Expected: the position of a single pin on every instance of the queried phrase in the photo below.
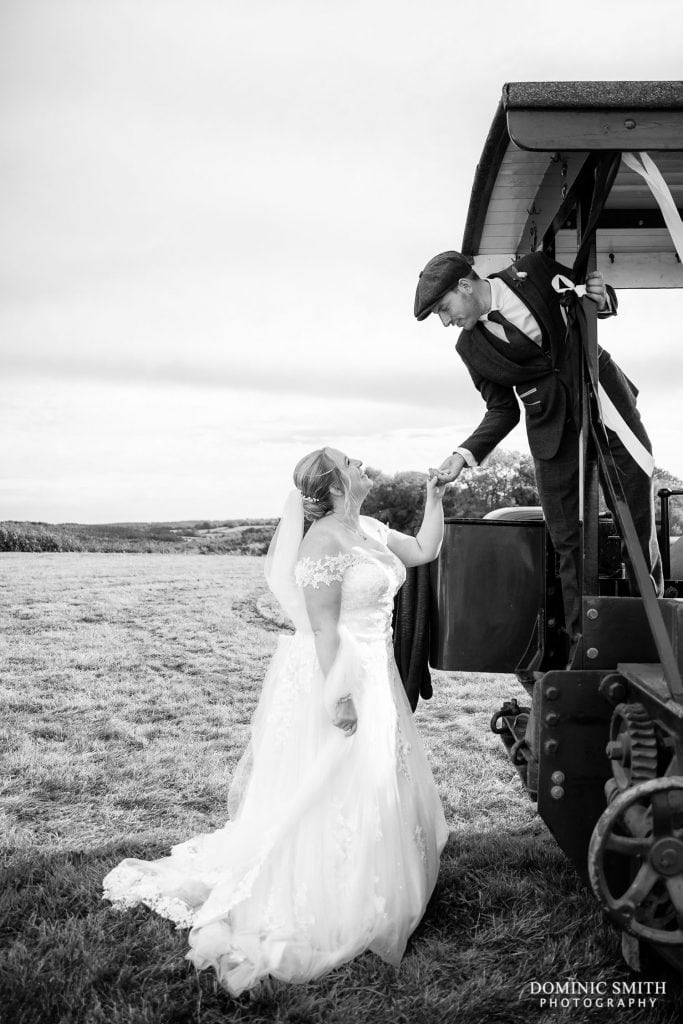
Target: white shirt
(513, 309)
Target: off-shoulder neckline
(356, 553)
(374, 541)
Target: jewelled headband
(325, 472)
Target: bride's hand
(345, 717)
(435, 485)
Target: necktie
(512, 333)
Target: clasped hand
(449, 470)
(596, 290)
(345, 717)
(436, 485)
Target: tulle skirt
(333, 842)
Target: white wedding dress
(334, 842)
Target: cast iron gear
(633, 746)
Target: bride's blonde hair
(314, 475)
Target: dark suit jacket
(542, 378)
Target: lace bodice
(310, 572)
(370, 575)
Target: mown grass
(127, 686)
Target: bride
(336, 828)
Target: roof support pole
(589, 488)
(595, 447)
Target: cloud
(214, 215)
(414, 386)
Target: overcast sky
(213, 217)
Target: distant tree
(396, 500)
(663, 479)
(507, 478)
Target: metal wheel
(652, 906)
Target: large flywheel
(645, 824)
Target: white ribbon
(612, 418)
(644, 165)
(562, 284)
(609, 413)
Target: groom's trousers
(558, 486)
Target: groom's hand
(449, 470)
(595, 290)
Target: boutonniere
(520, 275)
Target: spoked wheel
(645, 824)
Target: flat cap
(440, 275)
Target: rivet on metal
(551, 746)
(593, 613)
(552, 693)
(557, 778)
(629, 124)
(552, 718)
(557, 792)
(592, 652)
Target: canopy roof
(539, 155)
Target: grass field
(127, 685)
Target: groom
(512, 341)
